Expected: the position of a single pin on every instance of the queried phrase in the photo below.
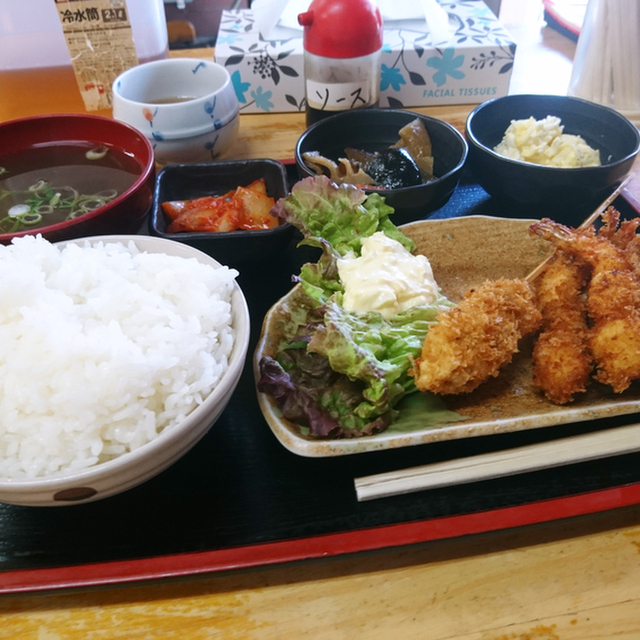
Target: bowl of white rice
(117, 354)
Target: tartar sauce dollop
(386, 278)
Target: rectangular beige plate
(463, 253)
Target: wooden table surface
(566, 580)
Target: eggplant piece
(394, 168)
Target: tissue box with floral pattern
(474, 66)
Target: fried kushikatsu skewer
(562, 359)
(474, 340)
(613, 301)
(562, 362)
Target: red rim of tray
(187, 564)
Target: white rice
(101, 349)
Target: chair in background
(181, 32)
(196, 23)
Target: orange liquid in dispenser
(40, 91)
(39, 39)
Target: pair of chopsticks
(534, 457)
(563, 451)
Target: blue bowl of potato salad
(550, 155)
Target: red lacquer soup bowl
(73, 175)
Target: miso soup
(48, 184)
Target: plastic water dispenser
(62, 55)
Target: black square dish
(189, 181)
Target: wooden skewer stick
(543, 455)
(590, 220)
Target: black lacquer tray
(240, 499)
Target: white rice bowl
(117, 353)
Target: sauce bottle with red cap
(342, 42)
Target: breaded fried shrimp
(621, 233)
(633, 253)
(562, 362)
(472, 341)
(613, 304)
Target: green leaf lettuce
(342, 374)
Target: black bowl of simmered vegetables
(414, 161)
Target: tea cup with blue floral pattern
(187, 108)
